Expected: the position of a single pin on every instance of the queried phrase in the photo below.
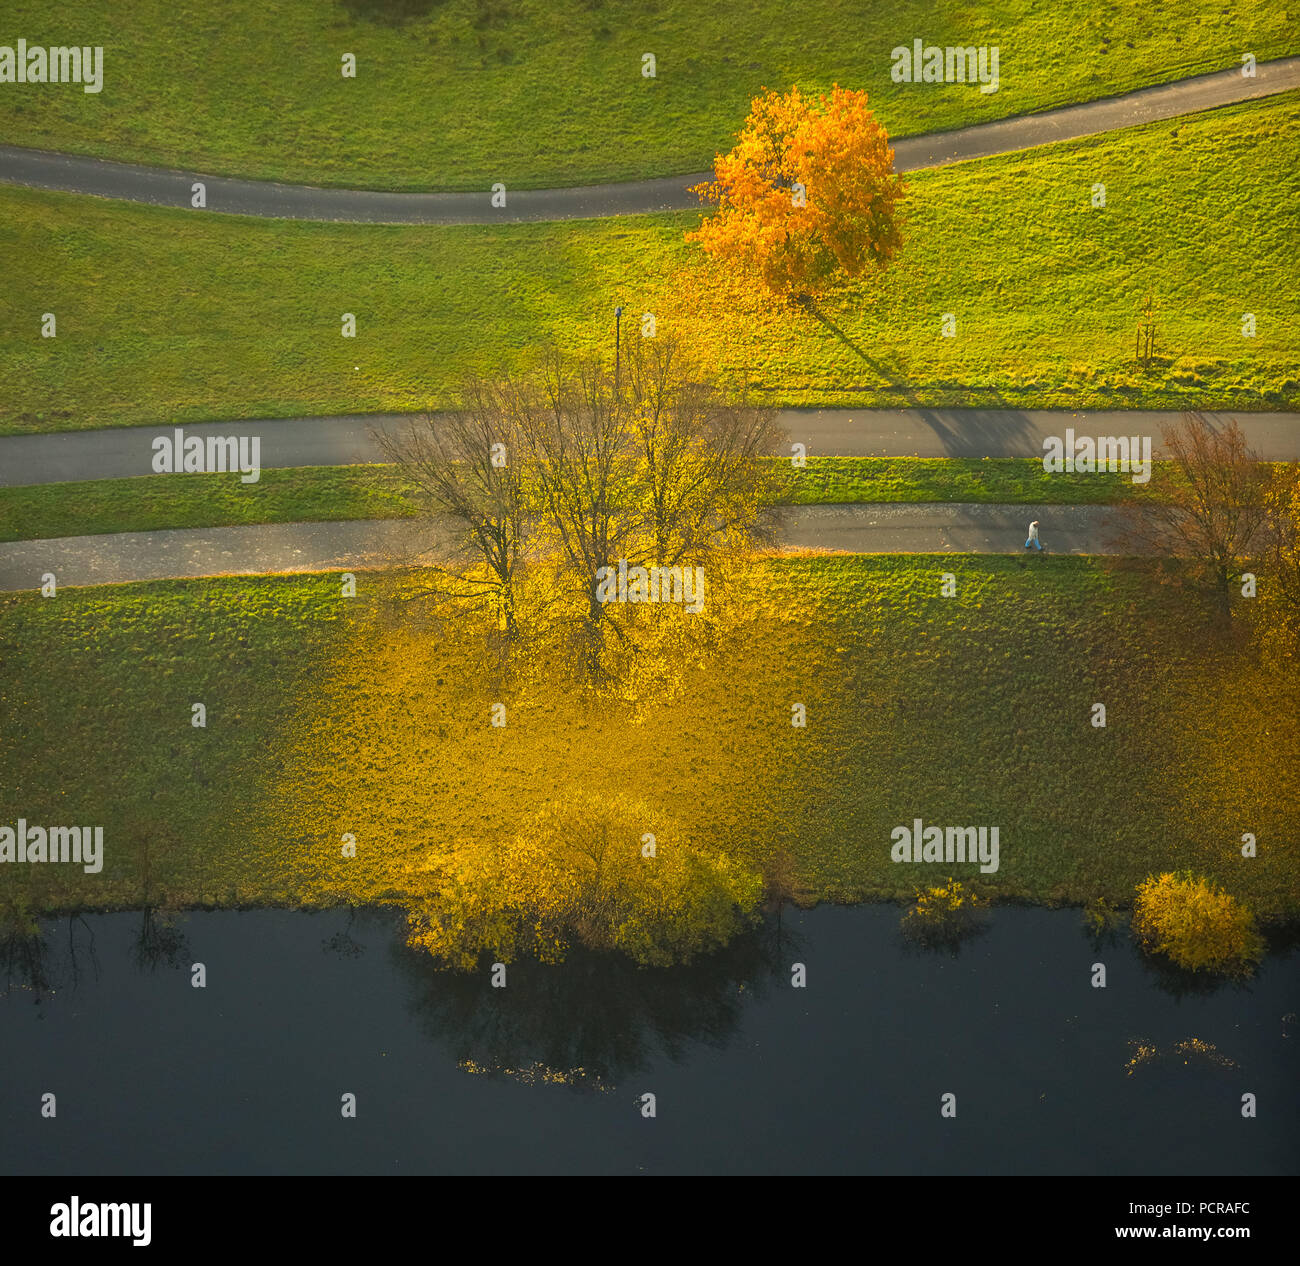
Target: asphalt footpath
(158, 186)
(343, 440)
(359, 545)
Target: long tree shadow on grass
(1001, 430)
(890, 374)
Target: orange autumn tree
(808, 196)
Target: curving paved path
(162, 187)
(356, 545)
(64, 456)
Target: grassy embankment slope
(456, 94)
(175, 316)
(329, 715)
(316, 493)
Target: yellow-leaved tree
(944, 915)
(1282, 504)
(1196, 924)
(808, 197)
(606, 873)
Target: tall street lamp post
(618, 313)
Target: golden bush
(1196, 924)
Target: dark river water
(546, 1075)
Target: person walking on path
(1033, 536)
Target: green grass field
(312, 493)
(328, 715)
(167, 315)
(457, 94)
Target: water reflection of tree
(343, 943)
(81, 948)
(1280, 939)
(1103, 925)
(1179, 982)
(25, 957)
(159, 942)
(28, 958)
(942, 921)
(597, 1017)
(947, 941)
